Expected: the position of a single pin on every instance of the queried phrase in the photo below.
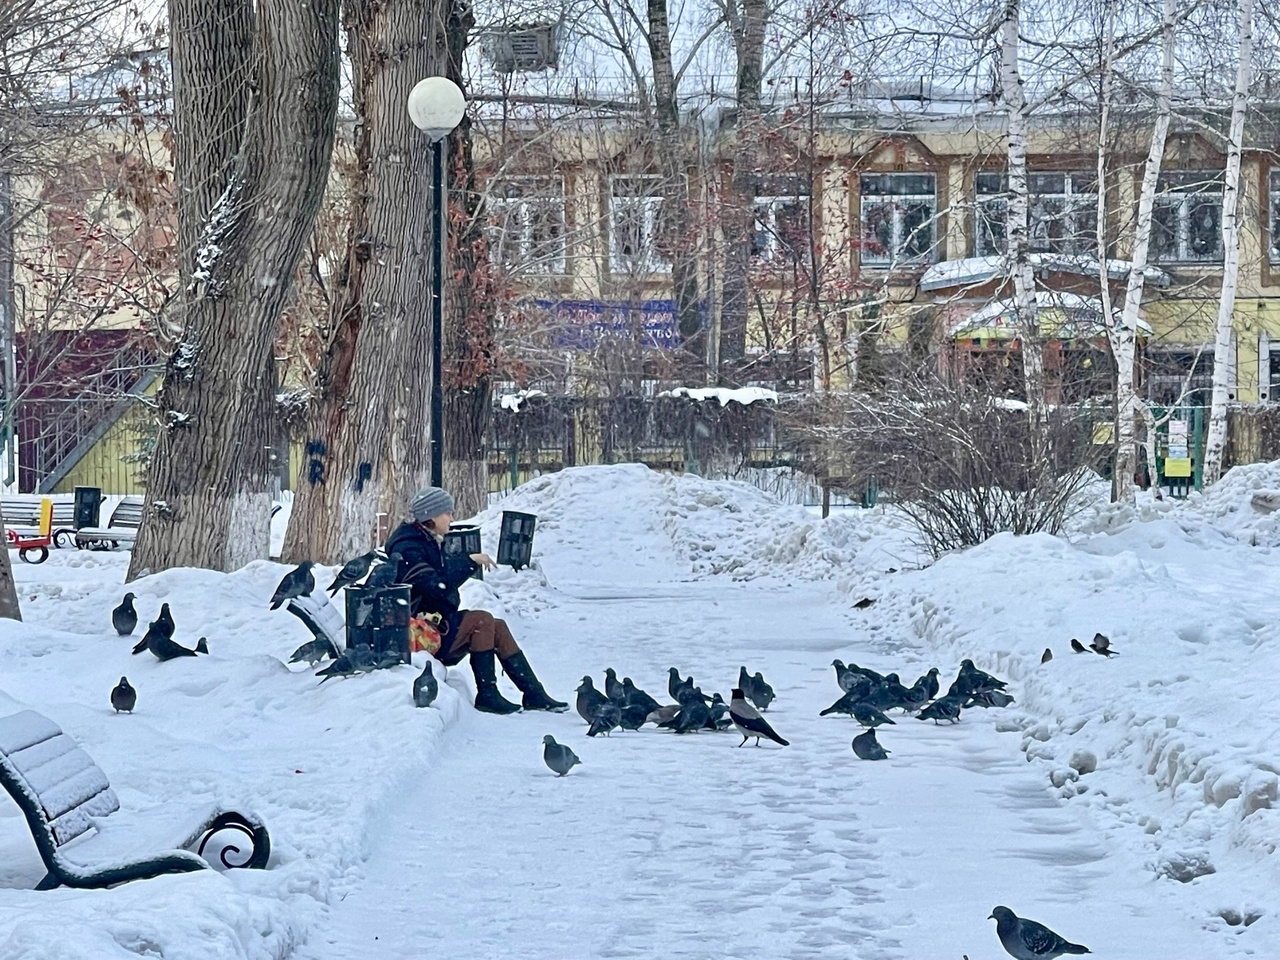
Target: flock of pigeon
(158, 640)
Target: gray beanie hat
(429, 503)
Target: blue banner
(582, 324)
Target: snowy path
(688, 847)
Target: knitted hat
(429, 503)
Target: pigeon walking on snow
(638, 697)
(1102, 645)
(761, 693)
(298, 582)
(589, 700)
(202, 646)
(124, 617)
(165, 620)
(605, 719)
(1076, 646)
(425, 687)
(341, 667)
(867, 747)
(675, 684)
(749, 722)
(123, 696)
(165, 647)
(613, 687)
(313, 651)
(944, 708)
(557, 756)
(1028, 940)
(1046, 656)
(352, 571)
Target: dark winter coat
(433, 586)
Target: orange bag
(424, 634)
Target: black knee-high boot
(521, 674)
(488, 699)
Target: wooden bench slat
(79, 819)
(26, 729)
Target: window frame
(1201, 382)
(1186, 191)
(899, 204)
(778, 249)
(651, 204)
(1078, 198)
(556, 265)
(1273, 209)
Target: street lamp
(436, 106)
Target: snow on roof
(975, 270)
(1081, 315)
(743, 395)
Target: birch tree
(1223, 368)
(255, 101)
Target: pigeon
(869, 716)
(1102, 645)
(589, 700)
(1028, 940)
(633, 716)
(718, 718)
(663, 714)
(613, 688)
(352, 571)
(425, 687)
(693, 716)
(604, 719)
(867, 747)
(385, 573)
(928, 683)
(945, 708)
(749, 722)
(341, 667)
(638, 697)
(142, 644)
(1076, 646)
(675, 684)
(165, 647)
(165, 620)
(559, 758)
(745, 682)
(1046, 656)
(761, 693)
(917, 695)
(389, 660)
(202, 646)
(845, 674)
(123, 696)
(864, 603)
(989, 698)
(970, 680)
(362, 658)
(854, 696)
(124, 618)
(298, 582)
(313, 651)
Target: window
(898, 212)
(1062, 213)
(526, 222)
(781, 228)
(635, 210)
(1186, 223)
(1171, 371)
(1275, 216)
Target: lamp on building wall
(436, 107)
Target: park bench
(65, 797)
(121, 528)
(23, 514)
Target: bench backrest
(128, 513)
(55, 782)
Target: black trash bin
(460, 543)
(379, 617)
(88, 507)
(515, 546)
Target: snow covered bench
(65, 795)
(121, 528)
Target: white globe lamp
(436, 106)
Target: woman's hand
(484, 560)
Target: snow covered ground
(1098, 804)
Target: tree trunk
(680, 230)
(1123, 336)
(1223, 368)
(363, 448)
(738, 204)
(1016, 229)
(208, 502)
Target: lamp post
(436, 106)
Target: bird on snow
(869, 716)
(749, 722)
(1028, 940)
(1076, 646)
(313, 651)
(1102, 645)
(944, 708)
(613, 687)
(352, 571)
(745, 684)
(867, 747)
(123, 696)
(362, 658)
(693, 716)
(298, 582)
(389, 660)
(202, 646)
(853, 696)
(589, 700)
(719, 714)
(675, 684)
(165, 647)
(1046, 656)
(917, 695)
(557, 756)
(970, 680)
(632, 716)
(425, 687)
(663, 714)
(761, 693)
(341, 667)
(124, 618)
(385, 573)
(928, 683)
(165, 620)
(606, 717)
(989, 698)
(864, 603)
(638, 697)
